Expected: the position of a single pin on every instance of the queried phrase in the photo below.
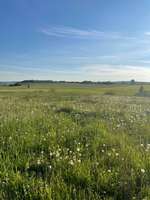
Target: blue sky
(75, 40)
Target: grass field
(64, 142)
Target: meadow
(73, 142)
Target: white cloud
(147, 33)
(15, 73)
(117, 72)
(62, 31)
(144, 61)
(94, 72)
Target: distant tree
(132, 81)
(15, 84)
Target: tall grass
(61, 146)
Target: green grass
(75, 89)
(61, 142)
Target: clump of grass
(109, 93)
(67, 110)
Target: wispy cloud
(144, 61)
(147, 33)
(62, 31)
(117, 72)
(95, 72)
(18, 73)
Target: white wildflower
(117, 154)
(38, 161)
(71, 162)
(143, 171)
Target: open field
(63, 142)
(77, 89)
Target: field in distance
(77, 89)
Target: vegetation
(62, 142)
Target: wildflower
(50, 167)
(87, 145)
(109, 170)
(50, 153)
(71, 162)
(117, 154)
(38, 161)
(118, 125)
(103, 151)
(78, 149)
(143, 171)
(42, 152)
(74, 157)
(80, 154)
(57, 154)
(148, 146)
(66, 157)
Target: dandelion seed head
(38, 161)
(71, 162)
(143, 171)
(117, 154)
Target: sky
(75, 40)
